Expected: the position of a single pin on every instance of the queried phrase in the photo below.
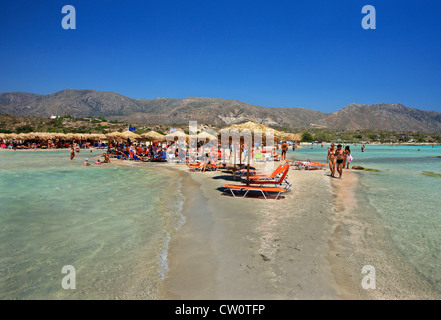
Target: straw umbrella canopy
(41, 135)
(57, 135)
(292, 137)
(176, 135)
(205, 136)
(253, 127)
(130, 135)
(2, 136)
(97, 136)
(69, 136)
(113, 135)
(153, 136)
(22, 136)
(11, 135)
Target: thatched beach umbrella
(22, 136)
(113, 135)
(254, 128)
(98, 136)
(41, 135)
(58, 135)
(206, 136)
(69, 136)
(171, 136)
(11, 135)
(292, 136)
(153, 136)
(130, 135)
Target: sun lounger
(132, 156)
(277, 182)
(263, 190)
(253, 172)
(271, 175)
(306, 165)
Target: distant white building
(54, 117)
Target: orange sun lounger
(282, 181)
(307, 165)
(263, 190)
(272, 175)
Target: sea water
(405, 197)
(112, 223)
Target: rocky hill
(217, 112)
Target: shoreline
(361, 239)
(232, 248)
(312, 244)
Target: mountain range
(216, 112)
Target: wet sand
(233, 248)
(312, 244)
(360, 239)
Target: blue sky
(310, 53)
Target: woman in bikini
(348, 157)
(331, 159)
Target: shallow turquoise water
(408, 202)
(111, 223)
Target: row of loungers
(263, 183)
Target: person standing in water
(72, 153)
(362, 148)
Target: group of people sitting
(138, 152)
(17, 144)
(98, 162)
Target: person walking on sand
(348, 157)
(284, 150)
(331, 159)
(340, 155)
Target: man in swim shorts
(284, 149)
(340, 155)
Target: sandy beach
(312, 244)
(233, 248)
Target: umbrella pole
(248, 166)
(234, 149)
